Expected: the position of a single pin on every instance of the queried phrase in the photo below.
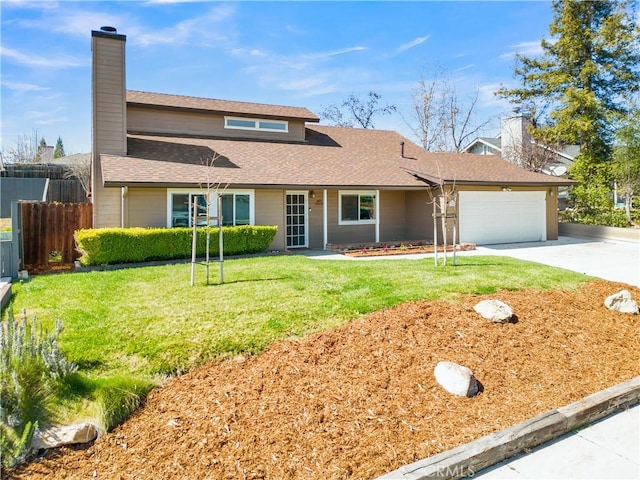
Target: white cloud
(22, 87)
(79, 22)
(37, 61)
(74, 22)
(413, 43)
(488, 98)
(44, 118)
(529, 49)
(201, 29)
(338, 52)
(466, 67)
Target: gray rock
(67, 435)
(494, 310)
(621, 302)
(456, 379)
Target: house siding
(419, 223)
(269, 210)
(146, 207)
(153, 120)
(109, 121)
(392, 215)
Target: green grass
(146, 323)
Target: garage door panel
(502, 217)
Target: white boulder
(621, 302)
(494, 310)
(456, 379)
(66, 435)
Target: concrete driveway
(614, 260)
(617, 261)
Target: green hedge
(105, 246)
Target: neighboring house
(514, 142)
(320, 185)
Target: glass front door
(296, 208)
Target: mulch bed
(361, 400)
(405, 250)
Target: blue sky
(311, 54)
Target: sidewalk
(609, 448)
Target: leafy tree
(41, 147)
(441, 120)
(626, 160)
(59, 150)
(354, 111)
(584, 76)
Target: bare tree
(441, 119)
(428, 115)
(81, 170)
(26, 149)
(355, 111)
(531, 155)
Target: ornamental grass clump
(32, 368)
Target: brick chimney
(108, 119)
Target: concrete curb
(472, 457)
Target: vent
(109, 29)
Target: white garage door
(502, 217)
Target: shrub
(609, 218)
(31, 369)
(128, 245)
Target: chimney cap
(108, 32)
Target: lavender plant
(31, 368)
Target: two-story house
(275, 165)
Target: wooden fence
(47, 232)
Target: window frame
(359, 193)
(257, 124)
(213, 206)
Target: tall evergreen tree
(41, 146)
(59, 150)
(583, 78)
(626, 160)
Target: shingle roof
(181, 102)
(332, 157)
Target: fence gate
(47, 232)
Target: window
(357, 208)
(182, 209)
(256, 124)
(237, 208)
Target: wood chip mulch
(361, 400)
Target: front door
(296, 219)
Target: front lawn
(139, 325)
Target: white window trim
(213, 204)
(256, 124)
(372, 193)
